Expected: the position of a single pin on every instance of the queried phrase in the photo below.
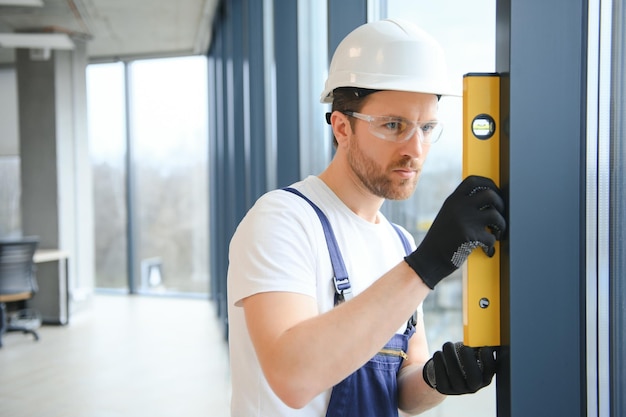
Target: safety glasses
(398, 129)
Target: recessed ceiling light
(22, 3)
(36, 40)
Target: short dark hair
(348, 99)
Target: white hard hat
(389, 54)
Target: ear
(341, 127)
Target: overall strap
(407, 248)
(343, 290)
(403, 238)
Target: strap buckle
(343, 289)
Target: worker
(324, 293)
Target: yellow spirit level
(481, 156)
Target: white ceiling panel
(116, 29)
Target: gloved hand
(471, 216)
(458, 369)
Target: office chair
(18, 284)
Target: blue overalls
(371, 390)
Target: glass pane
(469, 45)
(312, 69)
(170, 157)
(107, 141)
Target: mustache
(407, 163)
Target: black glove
(458, 369)
(471, 216)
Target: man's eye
(428, 127)
(395, 125)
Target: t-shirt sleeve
(273, 248)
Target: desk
(52, 299)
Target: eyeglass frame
(370, 118)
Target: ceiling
(114, 29)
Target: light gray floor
(124, 356)
(133, 356)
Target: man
(307, 341)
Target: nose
(414, 147)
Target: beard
(377, 180)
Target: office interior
(262, 67)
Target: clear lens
(397, 129)
(431, 131)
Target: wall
(56, 194)
(10, 224)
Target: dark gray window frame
(543, 278)
(617, 269)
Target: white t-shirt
(280, 246)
